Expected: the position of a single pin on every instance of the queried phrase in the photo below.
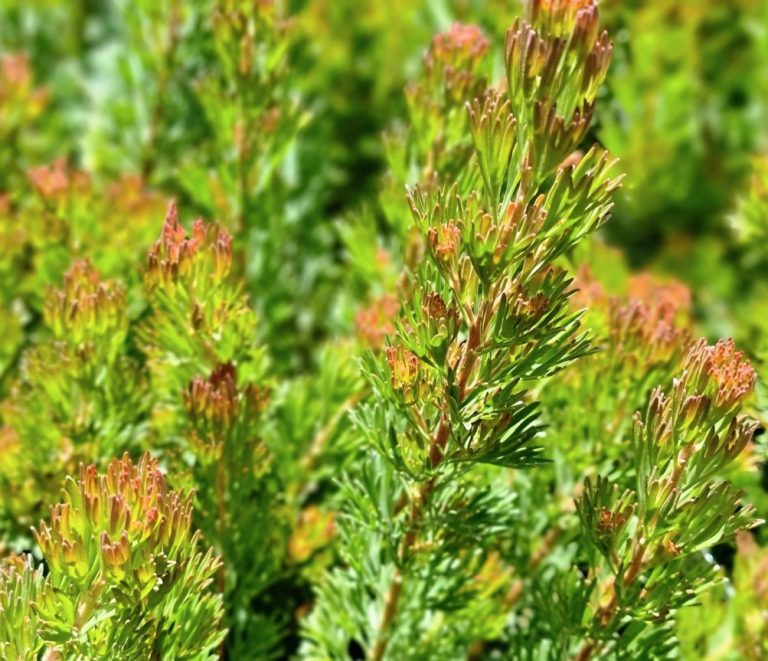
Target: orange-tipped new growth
(202, 259)
(87, 309)
(721, 373)
(219, 409)
(122, 527)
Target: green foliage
(484, 313)
(20, 585)
(392, 395)
(126, 578)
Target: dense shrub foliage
(419, 329)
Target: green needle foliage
(484, 318)
(651, 536)
(393, 394)
(126, 577)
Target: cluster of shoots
(484, 313)
(217, 409)
(87, 311)
(199, 261)
(20, 101)
(677, 507)
(125, 573)
(200, 316)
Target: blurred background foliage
(123, 88)
(285, 122)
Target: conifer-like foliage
(334, 330)
(485, 316)
(126, 579)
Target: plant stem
(607, 613)
(420, 501)
(396, 585)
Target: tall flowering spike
(201, 260)
(122, 542)
(86, 309)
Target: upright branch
(488, 314)
(209, 379)
(648, 541)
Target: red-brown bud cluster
(445, 241)
(405, 372)
(561, 17)
(437, 328)
(609, 521)
(525, 307)
(57, 179)
(215, 399)
(375, 322)
(720, 372)
(200, 260)
(453, 61)
(58, 182)
(697, 425)
(434, 307)
(19, 100)
(648, 327)
(461, 47)
(669, 298)
(644, 334)
(216, 406)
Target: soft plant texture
(126, 577)
(420, 329)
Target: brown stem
(607, 613)
(468, 359)
(586, 651)
(396, 585)
(390, 608)
(436, 454)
